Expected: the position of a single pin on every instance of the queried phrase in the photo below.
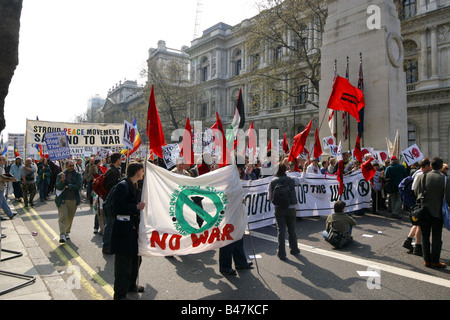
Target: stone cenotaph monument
(369, 29)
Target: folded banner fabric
(185, 215)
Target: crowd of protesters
(43, 177)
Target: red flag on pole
(299, 143)
(285, 144)
(368, 170)
(340, 176)
(154, 129)
(269, 146)
(317, 146)
(357, 151)
(186, 147)
(346, 97)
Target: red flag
(346, 97)
(299, 143)
(368, 170)
(285, 144)
(154, 129)
(269, 146)
(317, 146)
(340, 176)
(357, 151)
(187, 144)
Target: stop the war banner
(185, 215)
(316, 195)
(78, 134)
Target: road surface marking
(368, 263)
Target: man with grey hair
(68, 185)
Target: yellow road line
(88, 287)
(99, 280)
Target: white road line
(368, 263)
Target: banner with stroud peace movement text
(78, 134)
(185, 215)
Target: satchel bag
(336, 239)
(418, 211)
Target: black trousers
(126, 268)
(431, 227)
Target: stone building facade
(215, 60)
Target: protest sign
(185, 215)
(57, 145)
(171, 152)
(129, 133)
(78, 134)
(412, 155)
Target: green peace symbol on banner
(183, 199)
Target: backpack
(98, 185)
(281, 193)
(336, 239)
(109, 207)
(406, 192)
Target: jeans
(4, 205)
(286, 220)
(396, 202)
(233, 251)
(17, 190)
(43, 189)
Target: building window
(411, 71)
(203, 110)
(409, 8)
(302, 96)
(204, 73)
(278, 100)
(279, 53)
(238, 67)
(411, 134)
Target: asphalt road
(374, 267)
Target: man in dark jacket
(395, 173)
(285, 217)
(124, 240)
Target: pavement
(25, 271)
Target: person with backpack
(409, 199)
(282, 194)
(112, 177)
(124, 240)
